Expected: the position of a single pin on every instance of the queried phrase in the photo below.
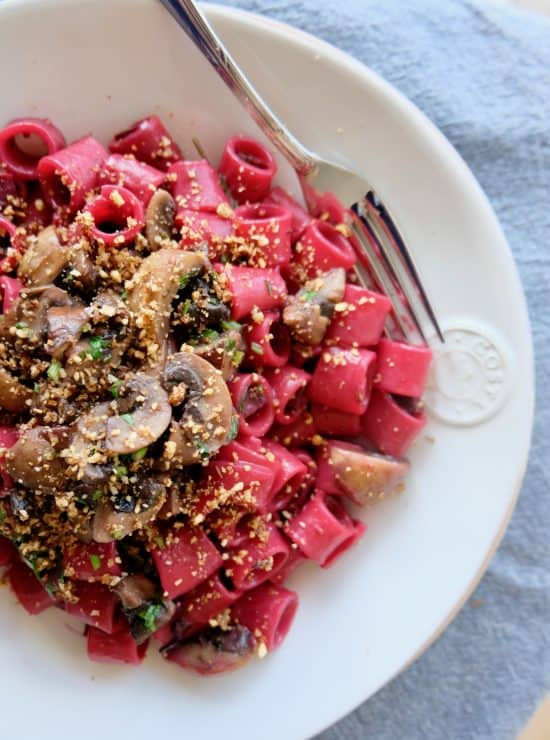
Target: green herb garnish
(237, 357)
(121, 471)
(230, 345)
(210, 335)
(309, 295)
(124, 295)
(186, 307)
(140, 454)
(233, 429)
(21, 325)
(159, 542)
(202, 449)
(231, 326)
(98, 345)
(95, 561)
(115, 388)
(256, 348)
(3, 515)
(149, 615)
(54, 371)
(36, 388)
(186, 279)
(128, 418)
(96, 495)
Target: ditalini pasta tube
(254, 560)
(291, 472)
(95, 605)
(248, 168)
(186, 558)
(30, 593)
(253, 287)
(91, 562)
(253, 398)
(343, 379)
(24, 141)
(119, 647)
(389, 425)
(323, 530)
(209, 599)
(321, 248)
(69, 174)
(127, 172)
(196, 187)
(300, 217)
(334, 422)
(117, 216)
(149, 141)
(268, 341)
(268, 228)
(359, 319)
(402, 368)
(267, 611)
(288, 384)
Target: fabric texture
(481, 72)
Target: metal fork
(383, 259)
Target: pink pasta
(194, 388)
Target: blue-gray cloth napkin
(481, 72)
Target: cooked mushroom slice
(65, 324)
(44, 259)
(13, 394)
(203, 409)
(35, 461)
(224, 351)
(29, 314)
(133, 591)
(159, 219)
(308, 313)
(109, 524)
(215, 650)
(364, 476)
(81, 274)
(156, 284)
(143, 415)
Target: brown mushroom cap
(156, 284)
(35, 462)
(307, 314)
(364, 476)
(109, 524)
(65, 324)
(44, 259)
(159, 219)
(206, 408)
(223, 351)
(13, 394)
(215, 650)
(143, 415)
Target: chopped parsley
(21, 325)
(140, 454)
(149, 615)
(159, 542)
(233, 429)
(186, 279)
(124, 295)
(230, 345)
(98, 346)
(231, 326)
(238, 357)
(96, 495)
(54, 371)
(95, 561)
(128, 418)
(36, 388)
(202, 449)
(210, 335)
(309, 295)
(121, 471)
(115, 388)
(186, 307)
(256, 348)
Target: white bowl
(96, 66)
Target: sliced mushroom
(35, 461)
(30, 311)
(215, 650)
(364, 476)
(82, 274)
(143, 415)
(133, 591)
(13, 394)
(224, 351)
(65, 325)
(44, 259)
(159, 219)
(203, 406)
(109, 525)
(156, 284)
(308, 313)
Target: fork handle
(195, 25)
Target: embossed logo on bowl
(471, 374)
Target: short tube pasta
(268, 610)
(343, 379)
(148, 141)
(248, 168)
(20, 159)
(268, 341)
(390, 426)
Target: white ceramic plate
(96, 65)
